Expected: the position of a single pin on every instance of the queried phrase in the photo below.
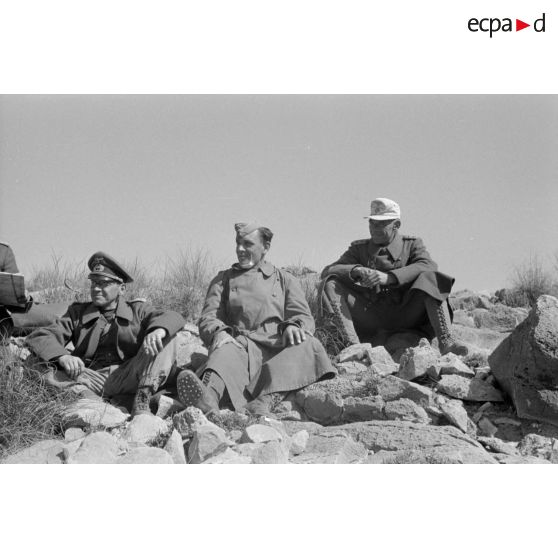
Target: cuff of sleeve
(54, 357)
(220, 329)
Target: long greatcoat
(255, 306)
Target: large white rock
(144, 428)
(93, 413)
(419, 361)
(99, 447)
(257, 433)
(228, 457)
(175, 448)
(208, 440)
(526, 363)
(452, 364)
(144, 456)
(468, 389)
(44, 452)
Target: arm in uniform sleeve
(419, 260)
(297, 311)
(153, 318)
(346, 263)
(8, 262)
(49, 343)
(213, 315)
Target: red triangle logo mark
(519, 25)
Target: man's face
(250, 249)
(383, 232)
(105, 291)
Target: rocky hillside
(401, 402)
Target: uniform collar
(265, 267)
(395, 247)
(123, 311)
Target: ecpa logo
(492, 25)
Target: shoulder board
(360, 242)
(4, 243)
(138, 299)
(409, 237)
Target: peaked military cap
(101, 264)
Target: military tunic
(255, 306)
(84, 325)
(393, 306)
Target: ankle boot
(192, 392)
(141, 401)
(438, 314)
(261, 406)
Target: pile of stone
(406, 405)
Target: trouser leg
(439, 316)
(143, 375)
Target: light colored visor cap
(382, 209)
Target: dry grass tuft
(30, 411)
(530, 280)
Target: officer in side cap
(121, 348)
(259, 330)
(386, 284)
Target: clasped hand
(370, 278)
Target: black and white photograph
(287, 244)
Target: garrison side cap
(103, 265)
(242, 229)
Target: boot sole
(190, 388)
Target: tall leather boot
(336, 310)
(438, 314)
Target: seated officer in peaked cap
(121, 348)
(259, 330)
(31, 316)
(388, 283)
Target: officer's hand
(72, 365)
(222, 338)
(370, 278)
(293, 335)
(153, 342)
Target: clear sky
(147, 176)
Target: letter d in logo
(539, 24)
